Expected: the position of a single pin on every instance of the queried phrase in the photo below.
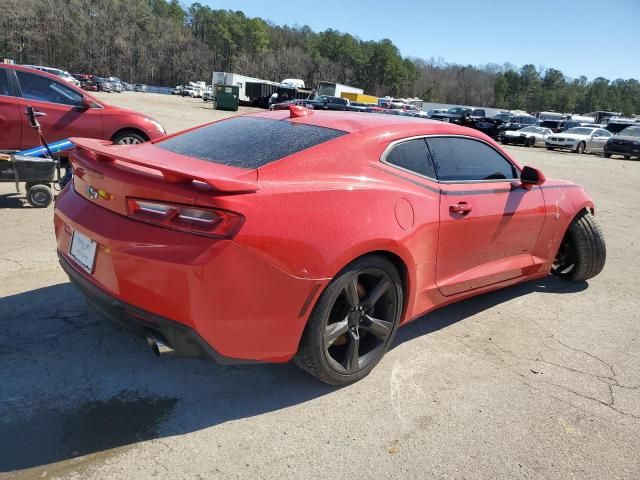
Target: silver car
(579, 140)
(528, 136)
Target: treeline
(161, 42)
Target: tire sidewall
(39, 189)
(320, 314)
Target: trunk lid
(108, 174)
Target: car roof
(373, 124)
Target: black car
(625, 143)
(516, 122)
(458, 115)
(491, 126)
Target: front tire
(354, 322)
(582, 253)
(128, 137)
(607, 155)
(580, 148)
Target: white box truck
(332, 89)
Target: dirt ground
(540, 380)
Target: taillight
(211, 222)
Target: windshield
(580, 131)
(631, 132)
(532, 129)
(456, 110)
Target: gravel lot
(540, 380)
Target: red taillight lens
(211, 222)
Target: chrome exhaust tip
(158, 344)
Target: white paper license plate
(83, 250)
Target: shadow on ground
(73, 384)
(13, 200)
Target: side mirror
(531, 176)
(86, 102)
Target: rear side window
(248, 142)
(463, 159)
(412, 155)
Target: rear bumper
(241, 306)
(184, 340)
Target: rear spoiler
(189, 170)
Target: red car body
(63, 111)
(302, 218)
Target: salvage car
(527, 136)
(625, 143)
(579, 140)
(63, 110)
(211, 242)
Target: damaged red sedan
(310, 235)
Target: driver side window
(459, 159)
(36, 87)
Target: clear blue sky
(589, 37)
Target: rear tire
(627, 157)
(607, 155)
(353, 323)
(582, 253)
(39, 196)
(531, 141)
(550, 148)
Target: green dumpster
(227, 97)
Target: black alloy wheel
(353, 322)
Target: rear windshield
(248, 142)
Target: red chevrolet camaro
(309, 235)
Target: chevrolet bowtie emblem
(93, 194)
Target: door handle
(461, 207)
(36, 113)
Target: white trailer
(235, 79)
(332, 89)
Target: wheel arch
(400, 260)
(135, 130)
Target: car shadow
(74, 384)
(455, 312)
(13, 200)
